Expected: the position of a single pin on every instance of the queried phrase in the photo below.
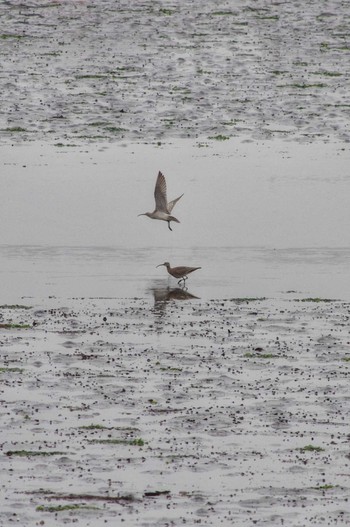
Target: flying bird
(163, 208)
(179, 272)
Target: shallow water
(32, 271)
(259, 218)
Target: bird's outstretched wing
(160, 194)
(172, 204)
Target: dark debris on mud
(86, 71)
(221, 412)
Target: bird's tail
(172, 204)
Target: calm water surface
(227, 272)
(259, 218)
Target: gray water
(259, 218)
(110, 272)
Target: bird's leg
(183, 280)
(169, 226)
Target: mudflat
(85, 71)
(175, 411)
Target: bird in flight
(163, 208)
(179, 272)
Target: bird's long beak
(159, 265)
(143, 214)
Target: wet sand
(77, 72)
(226, 412)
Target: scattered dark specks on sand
(160, 401)
(217, 56)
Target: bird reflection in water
(164, 295)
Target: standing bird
(163, 208)
(179, 272)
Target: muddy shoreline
(176, 412)
(81, 72)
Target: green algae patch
(15, 326)
(115, 129)
(261, 356)
(94, 427)
(6, 36)
(124, 442)
(15, 129)
(271, 17)
(328, 73)
(98, 123)
(49, 495)
(91, 76)
(223, 13)
(311, 448)
(14, 306)
(33, 453)
(171, 369)
(247, 300)
(219, 137)
(315, 299)
(62, 508)
(11, 370)
(166, 12)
